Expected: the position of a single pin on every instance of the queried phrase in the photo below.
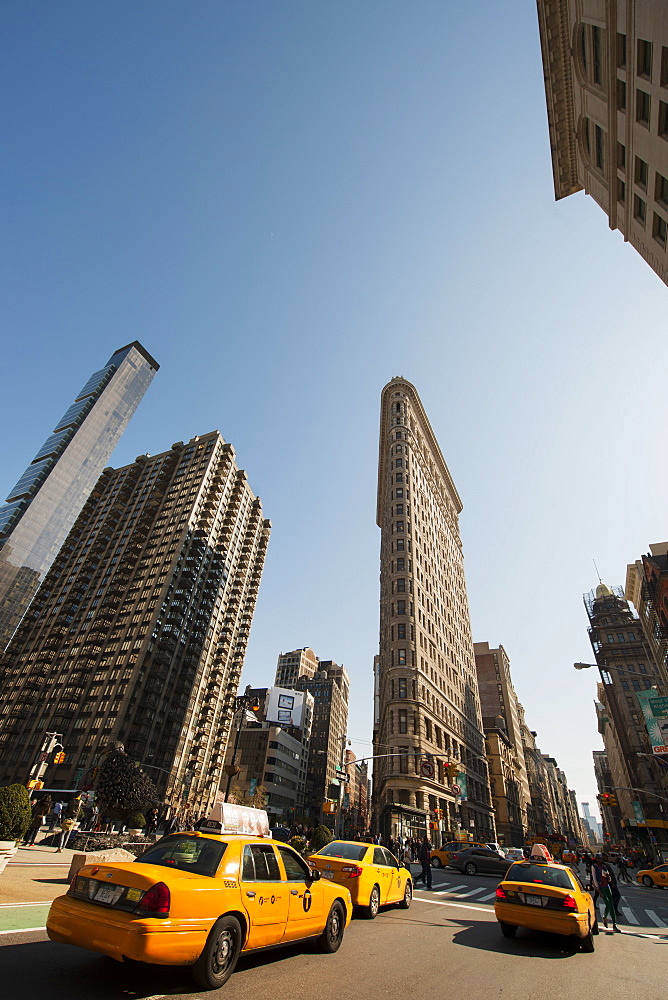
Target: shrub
(321, 836)
(121, 786)
(15, 812)
(299, 844)
(135, 821)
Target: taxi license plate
(328, 875)
(108, 894)
(534, 900)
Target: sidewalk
(34, 877)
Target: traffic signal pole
(51, 742)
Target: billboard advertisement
(285, 707)
(655, 712)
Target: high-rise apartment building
(503, 744)
(329, 684)
(428, 707)
(606, 83)
(647, 589)
(48, 497)
(627, 671)
(139, 630)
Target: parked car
(479, 859)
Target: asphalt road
(442, 947)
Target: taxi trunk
(127, 911)
(540, 907)
(338, 870)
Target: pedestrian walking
(600, 878)
(623, 871)
(424, 857)
(40, 810)
(55, 815)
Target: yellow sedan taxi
(370, 872)
(654, 877)
(200, 899)
(545, 897)
(441, 856)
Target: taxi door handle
(294, 892)
(251, 895)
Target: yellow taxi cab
(545, 897)
(200, 898)
(442, 855)
(654, 877)
(371, 873)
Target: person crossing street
(424, 857)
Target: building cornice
(553, 24)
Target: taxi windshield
(542, 874)
(350, 852)
(190, 854)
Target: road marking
(483, 899)
(24, 930)
(473, 892)
(629, 914)
(654, 918)
(458, 906)
(45, 902)
(452, 888)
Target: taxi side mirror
(314, 876)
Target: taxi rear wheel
(217, 962)
(587, 943)
(436, 863)
(508, 930)
(332, 936)
(646, 880)
(371, 911)
(408, 896)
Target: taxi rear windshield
(190, 854)
(538, 873)
(349, 852)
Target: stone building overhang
(555, 45)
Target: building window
(641, 173)
(610, 637)
(639, 210)
(427, 729)
(399, 493)
(621, 50)
(400, 544)
(643, 107)
(403, 760)
(401, 607)
(644, 58)
(642, 668)
(402, 688)
(621, 190)
(659, 228)
(621, 95)
(401, 632)
(596, 55)
(399, 478)
(398, 463)
(621, 156)
(401, 657)
(599, 158)
(403, 720)
(401, 585)
(399, 509)
(661, 189)
(399, 526)
(401, 563)
(663, 79)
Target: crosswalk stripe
(483, 899)
(452, 888)
(655, 919)
(473, 892)
(630, 916)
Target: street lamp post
(243, 703)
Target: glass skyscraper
(46, 501)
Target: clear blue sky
(289, 203)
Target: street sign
(426, 769)
(455, 789)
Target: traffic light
(606, 799)
(612, 800)
(452, 771)
(59, 757)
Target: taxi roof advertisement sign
(655, 712)
(226, 817)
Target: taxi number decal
(133, 894)
(307, 900)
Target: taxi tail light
(569, 903)
(501, 893)
(352, 871)
(155, 902)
